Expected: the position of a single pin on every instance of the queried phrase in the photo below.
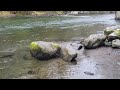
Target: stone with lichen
(44, 50)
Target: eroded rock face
(94, 41)
(116, 43)
(44, 50)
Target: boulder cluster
(47, 50)
(111, 38)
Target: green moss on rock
(34, 46)
(108, 31)
(54, 45)
(117, 32)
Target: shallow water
(17, 33)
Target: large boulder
(44, 50)
(116, 43)
(94, 41)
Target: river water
(17, 33)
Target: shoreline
(7, 14)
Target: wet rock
(89, 73)
(94, 41)
(76, 46)
(68, 53)
(74, 62)
(108, 31)
(27, 57)
(107, 43)
(116, 43)
(44, 50)
(80, 47)
(5, 54)
(114, 35)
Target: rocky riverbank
(30, 13)
(49, 13)
(47, 50)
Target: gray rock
(94, 41)
(116, 43)
(114, 35)
(89, 73)
(68, 53)
(108, 31)
(44, 50)
(107, 43)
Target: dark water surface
(17, 33)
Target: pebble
(89, 73)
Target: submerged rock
(116, 43)
(5, 54)
(44, 50)
(94, 41)
(27, 57)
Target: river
(16, 33)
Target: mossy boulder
(114, 35)
(44, 50)
(108, 31)
(94, 41)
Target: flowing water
(17, 33)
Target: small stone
(89, 73)
(80, 47)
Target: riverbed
(16, 33)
